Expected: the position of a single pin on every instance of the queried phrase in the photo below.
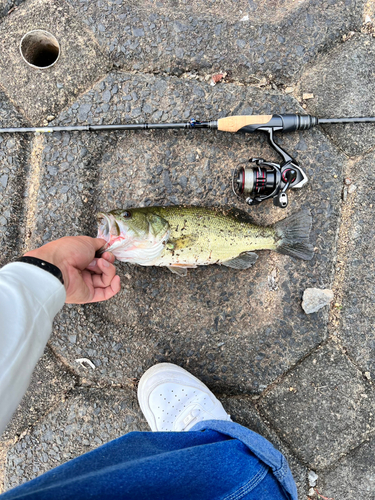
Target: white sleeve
(30, 298)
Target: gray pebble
(4, 180)
(84, 110)
(315, 298)
(183, 181)
(107, 96)
(138, 32)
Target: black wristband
(47, 266)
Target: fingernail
(92, 264)
(105, 263)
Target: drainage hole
(40, 49)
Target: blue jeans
(215, 460)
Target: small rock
(217, 78)
(107, 95)
(50, 118)
(368, 375)
(352, 188)
(138, 32)
(307, 96)
(313, 477)
(311, 492)
(315, 298)
(4, 180)
(348, 181)
(289, 90)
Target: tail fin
(294, 232)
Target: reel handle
(281, 199)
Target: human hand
(86, 278)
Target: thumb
(98, 243)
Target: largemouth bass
(186, 237)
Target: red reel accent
(285, 179)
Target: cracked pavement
(303, 381)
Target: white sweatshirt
(30, 298)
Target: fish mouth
(104, 228)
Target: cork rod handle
(235, 123)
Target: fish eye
(126, 214)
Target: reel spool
(267, 180)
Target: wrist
(49, 255)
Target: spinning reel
(264, 179)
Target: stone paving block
(86, 420)
(358, 311)
(244, 413)
(247, 38)
(151, 319)
(14, 151)
(352, 477)
(322, 409)
(48, 386)
(41, 93)
(343, 85)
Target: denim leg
(199, 464)
(260, 447)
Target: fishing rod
(261, 180)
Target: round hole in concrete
(39, 49)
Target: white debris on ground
(313, 477)
(272, 280)
(84, 362)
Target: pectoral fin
(182, 242)
(243, 261)
(181, 271)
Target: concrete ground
(303, 381)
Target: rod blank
(346, 120)
(93, 128)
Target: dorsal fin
(238, 214)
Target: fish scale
(212, 236)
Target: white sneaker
(172, 399)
